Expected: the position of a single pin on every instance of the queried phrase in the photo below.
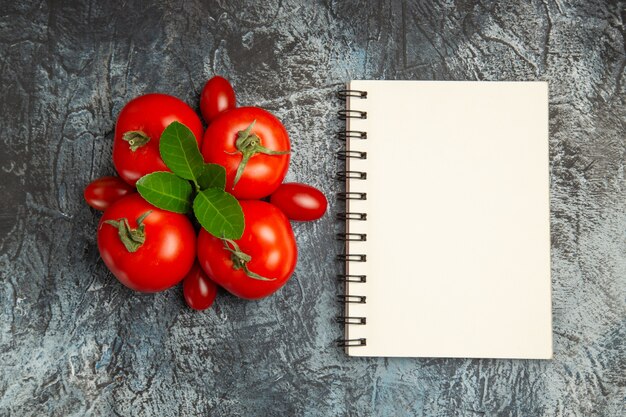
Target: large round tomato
(146, 248)
(253, 146)
(138, 131)
(259, 263)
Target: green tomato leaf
(213, 176)
(166, 191)
(219, 213)
(180, 152)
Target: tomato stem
(136, 139)
(240, 260)
(248, 144)
(131, 238)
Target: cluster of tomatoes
(151, 249)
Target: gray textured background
(73, 341)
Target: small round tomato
(217, 96)
(198, 289)
(259, 263)
(138, 132)
(253, 146)
(104, 191)
(299, 202)
(146, 248)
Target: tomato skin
(104, 191)
(199, 291)
(151, 114)
(263, 173)
(299, 202)
(217, 96)
(165, 257)
(267, 238)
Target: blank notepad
(450, 193)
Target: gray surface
(73, 341)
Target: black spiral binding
(356, 175)
(352, 196)
(343, 94)
(353, 134)
(351, 154)
(346, 175)
(351, 216)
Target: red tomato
(253, 146)
(217, 96)
(259, 263)
(103, 192)
(146, 248)
(138, 131)
(299, 201)
(198, 289)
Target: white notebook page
(458, 233)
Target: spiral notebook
(447, 242)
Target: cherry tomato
(146, 248)
(253, 146)
(299, 201)
(259, 263)
(138, 131)
(103, 192)
(217, 96)
(198, 289)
